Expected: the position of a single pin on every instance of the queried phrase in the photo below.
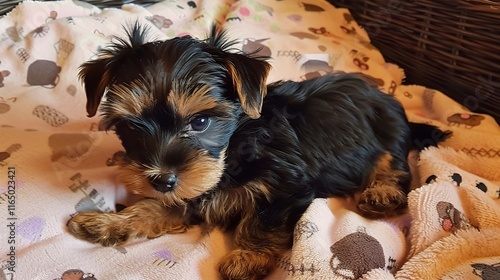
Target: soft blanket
(55, 162)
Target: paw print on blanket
(486, 271)
(359, 59)
(322, 31)
(450, 218)
(160, 21)
(3, 74)
(465, 119)
(76, 274)
(4, 104)
(311, 7)
(356, 254)
(4, 155)
(256, 46)
(347, 28)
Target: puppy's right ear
(96, 76)
(100, 73)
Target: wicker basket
(450, 45)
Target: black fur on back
(326, 133)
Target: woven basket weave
(449, 45)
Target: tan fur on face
(384, 197)
(188, 105)
(131, 99)
(201, 174)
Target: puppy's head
(174, 105)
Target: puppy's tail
(424, 135)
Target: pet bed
(55, 161)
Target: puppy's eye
(199, 123)
(131, 126)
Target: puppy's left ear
(249, 76)
(96, 77)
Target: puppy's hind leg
(257, 250)
(147, 218)
(387, 193)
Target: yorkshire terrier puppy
(210, 144)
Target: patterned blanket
(55, 162)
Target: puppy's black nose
(164, 183)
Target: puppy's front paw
(245, 264)
(102, 228)
(382, 201)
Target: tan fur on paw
(147, 218)
(245, 264)
(95, 227)
(382, 201)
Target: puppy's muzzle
(164, 183)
